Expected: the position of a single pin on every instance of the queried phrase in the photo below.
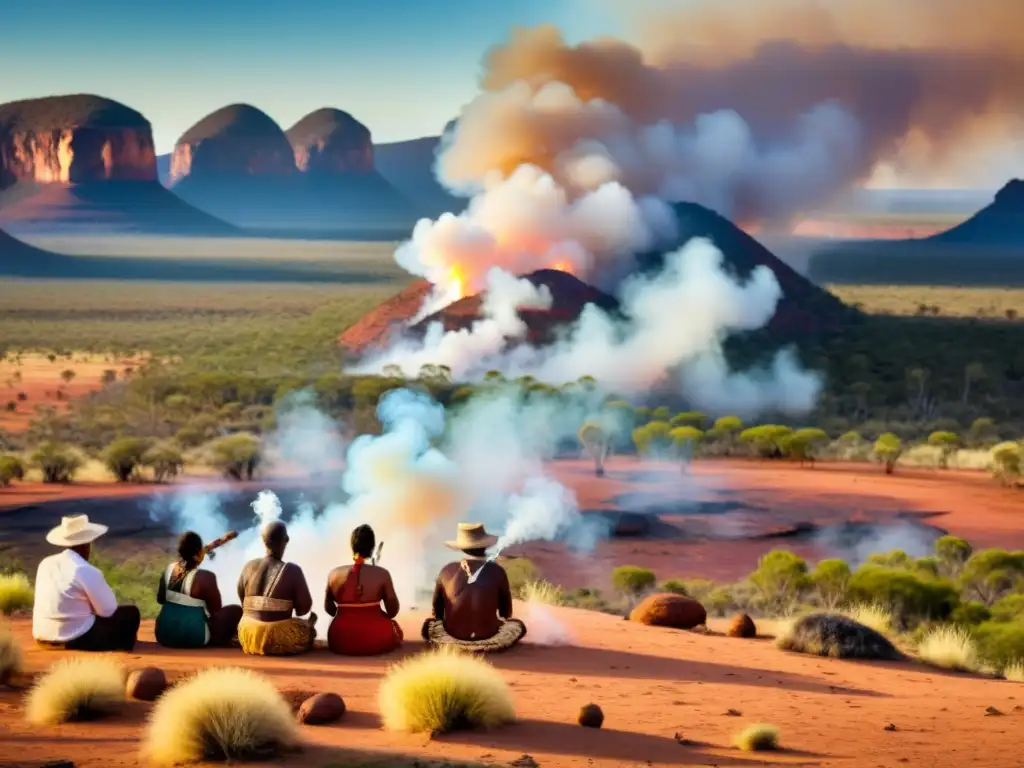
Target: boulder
(668, 610)
(235, 141)
(742, 626)
(146, 684)
(590, 716)
(321, 709)
(73, 140)
(329, 141)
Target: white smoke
(674, 323)
(305, 442)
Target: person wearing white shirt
(74, 606)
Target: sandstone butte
(73, 139)
(331, 141)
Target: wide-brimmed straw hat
(472, 536)
(74, 531)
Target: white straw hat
(74, 531)
(472, 536)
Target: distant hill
(86, 163)
(409, 166)
(1001, 223)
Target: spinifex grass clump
(76, 689)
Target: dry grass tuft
(758, 738)
(15, 593)
(950, 648)
(10, 654)
(873, 615)
(442, 691)
(76, 689)
(840, 637)
(542, 593)
(1014, 672)
(220, 714)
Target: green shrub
(991, 573)
(1000, 642)
(897, 558)
(719, 601)
(1008, 608)
(928, 566)
(165, 460)
(911, 597)
(952, 552)
(685, 439)
(767, 440)
(123, 457)
(632, 580)
(11, 469)
(653, 438)
(947, 442)
(15, 593)
(236, 456)
(830, 578)
(888, 448)
(970, 614)
(780, 577)
(57, 462)
(674, 586)
(694, 419)
(803, 444)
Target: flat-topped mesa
(236, 140)
(329, 141)
(74, 139)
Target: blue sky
(403, 67)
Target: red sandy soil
(41, 382)
(651, 683)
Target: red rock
(590, 716)
(742, 626)
(668, 610)
(146, 684)
(321, 709)
(331, 141)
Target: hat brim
(87, 535)
(483, 543)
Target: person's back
(472, 610)
(354, 596)
(69, 595)
(271, 591)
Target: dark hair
(275, 535)
(189, 547)
(363, 541)
(475, 552)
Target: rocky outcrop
(236, 140)
(669, 610)
(1000, 224)
(329, 141)
(72, 140)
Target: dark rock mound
(146, 684)
(669, 610)
(236, 140)
(379, 323)
(998, 224)
(742, 626)
(331, 141)
(590, 716)
(321, 709)
(824, 634)
(804, 307)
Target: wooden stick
(229, 536)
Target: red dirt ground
(651, 683)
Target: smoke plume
(760, 109)
(675, 321)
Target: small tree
(109, 376)
(123, 457)
(633, 581)
(888, 448)
(947, 443)
(165, 461)
(685, 439)
(652, 438)
(830, 578)
(67, 375)
(661, 413)
(236, 456)
(724, 431)
(803, 444)
(57, 462)
(768, 440)
(594, 439)
(689, 419)
(780, 577)
(991, 573)
(11, 469)
(952, 552)
(1006, 462)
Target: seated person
(270, 590)
(74, 606)
(354, 596)
(472, 603)
(191, 613)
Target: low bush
(123, 457)
(57, 462)
(910, 596)
(758, 738)
(11, 469)
(875, 616)
(520, 572)
(442, 691)
(220, 714)
(632, 580)
(15, 593)
(1000, 643)
(76, 689)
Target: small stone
(321, 709)
(992, 712)
(146, 684)
(733, 713)
(590, 716)
(742, 626)
(680, 739)
(890, 727)
(526, 761)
